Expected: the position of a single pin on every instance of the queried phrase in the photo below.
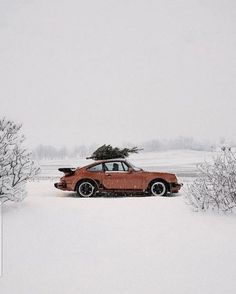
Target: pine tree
(109, 152)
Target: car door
(119, 177)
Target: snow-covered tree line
(178, 143)
(16, 166)
(49, 152)
(181, 142)
(53, 152)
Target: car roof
(109, 160)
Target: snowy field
(54, 242)
(181, 162)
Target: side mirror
(130, 170)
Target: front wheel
(158, 188)
(86, 189)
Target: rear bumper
(60, 185)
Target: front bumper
(175, 187)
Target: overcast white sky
(77, 72)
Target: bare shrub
(16, 166)
(215, 188)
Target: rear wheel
(86, 189)
(158, 188)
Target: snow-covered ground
(55, 242)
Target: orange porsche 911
(116, 176)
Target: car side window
(96, 168)
(125, 166)
(114, 166)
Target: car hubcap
(86, 189)
(158, 188)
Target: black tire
(158, 188)
(86, 189)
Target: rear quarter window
(95, 168)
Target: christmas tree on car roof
(109, 152)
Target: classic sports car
(114, 176)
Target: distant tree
(62, 152)
(152, 145)
(109, 152)
(215, 188)
(16, 166)
(45, 152)
(79, 151)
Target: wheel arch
(92, 181)
(159, 180)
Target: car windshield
(134, 167)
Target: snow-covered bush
(215, 188)
(16, 166)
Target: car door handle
(108, 175)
